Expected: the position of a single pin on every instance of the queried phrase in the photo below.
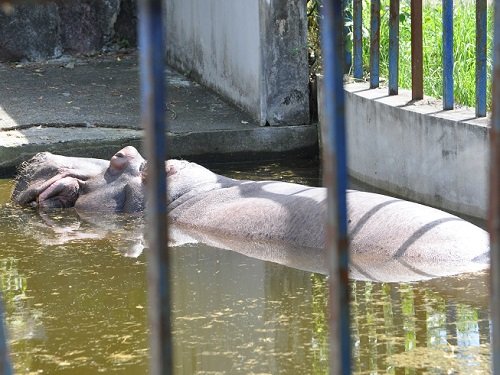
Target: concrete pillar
(285, 69)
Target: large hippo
(272, 220)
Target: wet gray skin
(272, 220)
(390, 239)
(54, 181)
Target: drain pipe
(335, 179)
(151, 62)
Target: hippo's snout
(63, 193)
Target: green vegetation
(313, 36)
(464, 46)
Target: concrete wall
(418, 151)
(253, 52)
(217, 42)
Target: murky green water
(76, 305)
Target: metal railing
(5, 365)
(335, 156)
(151, 62)
(494, 196)
(417, 50)
(335, 179)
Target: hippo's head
(55, 181)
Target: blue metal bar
(5, 365)
(357, 10)
(374, 43)
(335, 177)
(448, 101)
(151, 48)
(393, 47)
(481, 58)
(494, 204)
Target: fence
(448, 101)
(334, 153)
(494, 216)
(152, 96)
(417, 49)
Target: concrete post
(285, 71)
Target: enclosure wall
(418, 151)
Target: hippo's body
(255, 210)
(379, 226)
(262, 215)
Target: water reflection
(64, 226)
(75, 304)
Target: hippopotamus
(54, 181)
(274, 220)
(390, 239)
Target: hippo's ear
(170, 169)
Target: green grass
(464, 48)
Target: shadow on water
(75, 304)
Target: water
(75, 304)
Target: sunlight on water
(75, 301)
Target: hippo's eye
(119, 155)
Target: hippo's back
(264, 210)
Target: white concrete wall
(418, 151)
(204, 37)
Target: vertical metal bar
(335, 177)
(374, 43)
(358, 38)
(494, 194)
(481, 58)
(5, 365)
(417, 62)
(448, 101)
(393, 47)
(151, 48)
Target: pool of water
(75, 298)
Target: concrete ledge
(259, 143)
(417, 150)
